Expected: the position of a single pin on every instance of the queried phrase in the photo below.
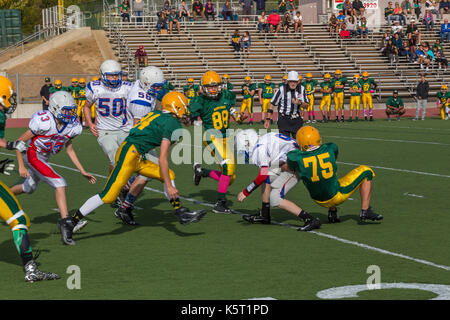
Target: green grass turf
(223, 257)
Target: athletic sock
(129, 200)
(305, 215)
(370, 112)
(76, 217)
(215, 174)
(365, 112)
(265, 210)
(91, 204)
(23, 245)
(176, 204)
(129, 183)
(224, 182)
(205, 172)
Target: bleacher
(203, 46)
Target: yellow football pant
(311, 102)
(11, 211)
(348, 184)
(355, 102)
(326, 100)
(221, 151)
(367, 100)
(80, 107)
(338, 100)
(128, 162)
(443, 108)
(247, 104)
(265, 105)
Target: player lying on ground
(269, 152)
(156, 129)
(49, 131)
(315, 164)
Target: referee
(288, 99)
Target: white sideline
(390, 140)
(361, 245)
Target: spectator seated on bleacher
(344, 33)
(263, 25)
(138, 10)
(440, 58)
(397, 28)
(162, 23)
(341, 18)
(333, 23)
(197, 10)
(391, 51)
(274, 21)
(358, 8)
(141, 56)
(227, 11)
(423, 57)
(298, 22)
(291, 7)
(184, 11)
(413, 34)
(389, 13)
(417, 8)
(398, 42)
(286, 22)
(445, 31)
(385, 41)
(429, 55)
(174, 18)
(347, 8)
(282, 6)
(247, 6)
(438, 45)
(362, 29)
(236, 41)
(433, 7)
(398, 12)
(166, 7)
(209, 10)
(407, 52)
(407, 7)
(246, 42)
(444, 7)
(428, 20)
(352, 26)
(125, 11)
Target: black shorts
(289, 126)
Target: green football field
(224, 257)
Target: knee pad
(19, 221)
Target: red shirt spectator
(274, 18)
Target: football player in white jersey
(269, 153)
(110, 97)
(49, 131)
(142, 99)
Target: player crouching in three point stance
(268, 152)
(156, 129)
(315, 164)
(49, 131)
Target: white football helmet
(111, 68)
(245, 142)
(63, 106)
(152, 81)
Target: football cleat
(32, 273)
(185, 216)
(66, 227)
(310, 224)
(80, 225)
(197, 173)
(255, 218)
(221, 206)
(120, 199)
(126, 216)
(333, 216)
(369, 214)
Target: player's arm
(260, 179)
(73, 156)
(260, 94)
(20, 148)
(164, 168)
(88, 118)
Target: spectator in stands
(209, 10)
(174, 18)
(125, 11)
(445, 31)
(236, 41)
(344, 33)
(363, 31)
(420, 54)
(438, 45)
(341, 18)
(184, 10)
(397, 28)
(407, 51)
(263, 25)
(399, 13)
(397, 42)
(227, 11)
(440, 58)
(197, 10)
(391, 52)
(333, 23)
(282, 6)
(444, 7)
(433, 7)
(260, 6)
(406, 7)
(298, 22)
(286, 22)
(413, 34)
(422, 90)
(141, 56)
(138, 10)
(45, 93)
(162, 22)
(166, 7)
(347, 7)
(246, 42)
(395, 105)
(417, 8)
(247, 6)
(389, 13)
(358, 8)
(274, 21)
(386, 38)
(291, 7)
(428, 20)
(124, 76)
(429, 55)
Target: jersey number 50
(117, 108)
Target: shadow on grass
(9, 252)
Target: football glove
(6, 166)
(18, 144)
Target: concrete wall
(25, 111)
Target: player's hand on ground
(93, 129)
(90, 177)
(172, 192)
(6, 166)
(23, 172)
(241, 196)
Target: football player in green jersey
(191, 90)
(156, 129)
(248, 90)
(355, 96)
(309, 85)
(326, 89)
(226, 84)
(266, 91)
(74, 89)
(368, 87)
(338, 84)
(395, 105)
(315, 163)
(58, 87)
(215, 107)
(443, 102)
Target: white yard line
(390, 140)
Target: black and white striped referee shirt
(283, 99)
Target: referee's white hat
(292, 76)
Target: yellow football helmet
(308, 137)
(58, 84)
(247, 78)
(176, 103)
(82, 82)
(74, 80)
(356, 76)
(365, 74)
(226, 76)
(309, 75)
(95, 79)
(211, 84)
(285, 77)
(8, 98)
(190, 80)
(299, 77)
(327, 76)
(444, 88)
(268, 77)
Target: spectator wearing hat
(395, 106)
(274, 21)
(45, 93)
(141, 56)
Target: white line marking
(390, 140)
(361, 245)
(413, 195)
